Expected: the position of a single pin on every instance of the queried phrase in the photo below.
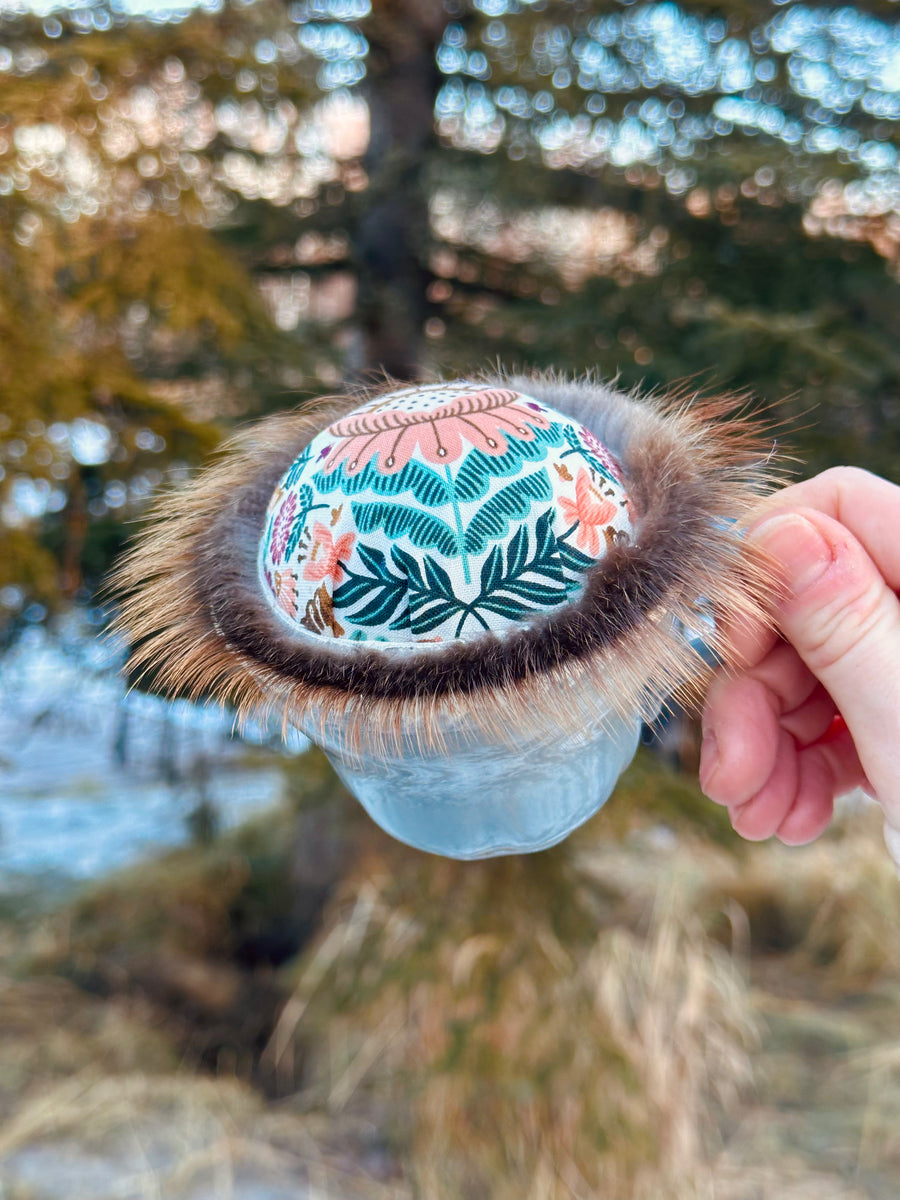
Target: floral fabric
(437, 512)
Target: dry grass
(639, 1013)
(51, 1031)
(172, 1138)
(587, 1022)
(837, 902)
(520, 1045)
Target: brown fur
(194, 610)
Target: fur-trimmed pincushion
(517, 554)
(434, 514)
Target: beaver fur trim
(198, 620)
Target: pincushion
(435, 513)
(470, 593)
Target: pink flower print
(484, 419)
(325, 554)
(281, 528)
(591, 510)
(285, 589)
(600, 452)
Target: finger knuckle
(845, 629)
(845, 482)
(844, 475)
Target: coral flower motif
(325, 555)
(600, 452)
(590, 510)
(282, 527)
(284, 585)
(484, 419)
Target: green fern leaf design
(529, 584)
(429, 614)
(384, 592)
(304, 508)
(296, 468)
(538, 595)
(574, 563)
(431, 593)
(505, 606)
(512, 503)
(423, 529)
(573, 560)
(374, 559)
(352, 591)
(439, 582)
(492, 571)
(427, 486)
(384, 604)
(517, 551)
(478, 469)
(405, 562)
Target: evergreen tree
(194, 226)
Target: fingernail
(709, 757)
(798, 545)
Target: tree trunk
(76, 523)
(391, 240)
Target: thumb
(844, 621)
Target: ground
(651, 1010)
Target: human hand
(814, 712)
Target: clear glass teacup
(476, 797)
(463, 794)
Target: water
(92, 778)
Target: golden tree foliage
(118, 300)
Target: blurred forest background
(210, 212)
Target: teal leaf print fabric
(423, 529)
(511, 504)
(440, 512)
(425, 485)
